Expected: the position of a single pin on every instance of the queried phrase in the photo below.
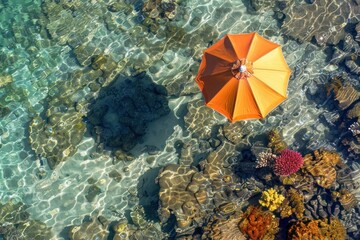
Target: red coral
(288, 162)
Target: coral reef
(322, 19)
(192, 194)
(354, 112)
(355, 128)
(321, 165)
(346, 95)
(346, 198)
(293, 204)
(258, 224)
(276, 142)
(317, 229)
(121, 128)
(271, 199)
(305, 229)
(347, 54)
(265, 159)
(301, 181)
(288, 162)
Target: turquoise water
(63, 62)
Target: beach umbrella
(243, 76)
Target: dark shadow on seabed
(118, 119)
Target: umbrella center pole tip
(242, 69)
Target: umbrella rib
(251, 44)
(214, 74)
(217, 57)
(257, 105)
(269, 53)
(269, 69)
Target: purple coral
(288, 162)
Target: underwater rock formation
(56, 132)
(200, 119)
(219, 229)
(15, 223)
(73, 22)
(354, 113)
(347, 54)
(121, 127)
(30, 229)
(139, 228)
(5, 79)
(322, 19)
(93, 230)
(160, 8)
(258, 224)
(178, 186)
(56, 137)
(192, 194)
(262, 5)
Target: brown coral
(346, 198)
(276, 142)
(300, 180)
(321, 165)
(334, 85)
(332, 229)
(354, 112)
(307, 229)
(293, 204)
(346, 95)
(258, 224)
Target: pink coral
(288, 162)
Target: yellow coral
(271, 199)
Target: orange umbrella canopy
(243, 76)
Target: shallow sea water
(38, 65)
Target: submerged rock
(322, 19)
(123, 109)
(15, 223)
(93, 230)
(56, 137)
